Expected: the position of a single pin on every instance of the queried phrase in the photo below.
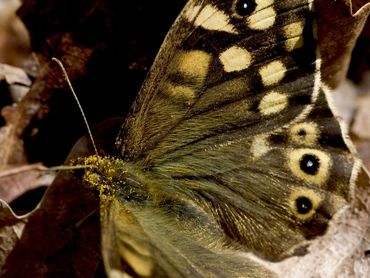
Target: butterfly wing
(165, 246)
(232, 127)
(215, 62)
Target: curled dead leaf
(68, 216)
(339, 25)
(18, 180)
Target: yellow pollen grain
(103, 175)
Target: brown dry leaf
(353, 109)
(345, 100)
(14, 39)
(339, 25)
(18, 180)
(11, 228)
(34, 105)
(361, 125)
(105, 49)
(68, 217)
(14, 75)
(363, 148)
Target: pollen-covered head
(103, 174)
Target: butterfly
(231, 148)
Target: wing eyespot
(310, 164)
(306, 133)
(303, 205)
(245, 7)
(302, 133)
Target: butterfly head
(103, 174)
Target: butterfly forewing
(224, 75)
(232, 136)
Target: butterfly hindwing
(167, 246)
(233, 144)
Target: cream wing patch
(294, 34)
(273, 103)
(272, 73)
(264, 16)
(192, 12)
(142, 265)
(179, 90)
(193, 63)
(211, 18)
(260, 146)
(235, 59)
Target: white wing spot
(235, 59)
(273, 103)
(260, 146)
(272, 73)
(211, 18)
(264, 15)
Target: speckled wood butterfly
(231, 147)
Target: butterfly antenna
(78, 102)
